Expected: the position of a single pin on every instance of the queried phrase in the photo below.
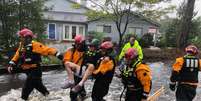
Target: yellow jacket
(128, 45)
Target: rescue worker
(90, 59)
(133, 43)
(28, 58)
(73, 59)
(136, 77)
(103, 73)
(184, 75)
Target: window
(131, 30)
(136, 30)
(81, 30)
(99, 28)
(73, 31)
(70, 31)
(52, 31)
(66, 32)
(107, 29)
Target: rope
(122, 92)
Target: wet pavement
(11, 86)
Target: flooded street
(11, 86)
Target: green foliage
(196, 41)
(121, 12)
(76, 6)
(94, 15)
(170, 28)
(17, 14)
(171, 34)
(46, 60)
(162, 41)
(147, 40)
(97, 35)
(195, 33)
(155, 14)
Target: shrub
(146, 40)
(97, 35)
(46, 60)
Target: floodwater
(11, 86)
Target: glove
(10, 67)
(172, 86)
(59, 55)
(145, 95)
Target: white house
(64, 21)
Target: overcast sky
(177, 3)
(197, 6)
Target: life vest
(189, 71)
(104, 67)
(74, 56)
(129, 78)
(28, 59)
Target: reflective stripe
(196, 63)
(58, 53)
(11, 62)
(192, 63)
(187, 62)
(189, 83)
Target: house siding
(60, 28)
(63, 6)
(114, 33)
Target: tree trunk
(185, 24)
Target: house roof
(139, 15)
(84, 6)
(147, 19)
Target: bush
(162, 41)
(196, 41)
(97, 35)
(46, 60)
(146, 40)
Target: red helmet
(25, 32)
(131, 53)
(106, 45)
(79, 39)
(191, 49)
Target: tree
(170, 28)
(121, 11)
(186, 13)
(195, 32)
(17, 14)
(171, 33)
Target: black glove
(10, 66)
(145, 95)
(59, 56)
(172, 86)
